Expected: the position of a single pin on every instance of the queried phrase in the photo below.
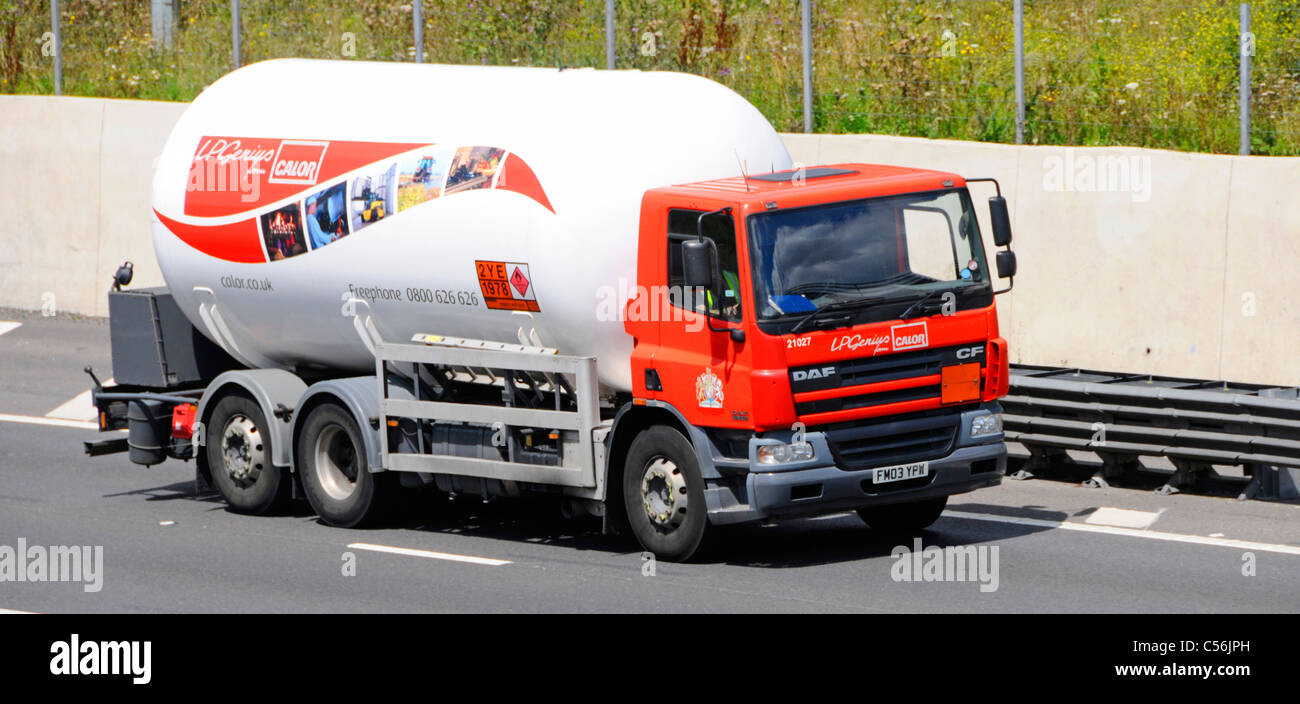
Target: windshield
(895, 247)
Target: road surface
(1059, 546)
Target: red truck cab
(840, 349)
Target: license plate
(900, 472)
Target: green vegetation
(1159, 73)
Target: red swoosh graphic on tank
(233, 242)
(226, 169)
(517, 176)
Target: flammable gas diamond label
(507, 285)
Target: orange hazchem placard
(507, 285)
(959, 383)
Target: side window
(722, 230)
(929, 243)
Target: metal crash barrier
(1195, 424)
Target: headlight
(986, 424)
(785, 453)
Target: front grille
(913, 437)
(903, 365)
(873, 370)
(848, 403)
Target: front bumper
(820, 487)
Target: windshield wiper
(837, 306)
(868, 300)
(920, 304)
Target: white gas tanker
(610, 286)
(278, 192)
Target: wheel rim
(336, 463)
(664, 496)
(241, 450)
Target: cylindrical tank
(496, 203)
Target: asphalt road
(1060, 546)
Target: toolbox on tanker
(154, 344)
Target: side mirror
(1006, 264)
(1000, 221)
(700, 268)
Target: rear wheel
(904, 518)
(663, 494)
(239, 457)
(332, 466)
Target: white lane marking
(56, 422)
(15, 611)
(1130, 532)
(8, 326)
(412, 552)
(1122, 517)
(1216, 535)
(829, 516)
(78, 407)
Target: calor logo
(297, 162)
(908, 337)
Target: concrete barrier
(1131, 259)
(74, 180)
(1135, 260)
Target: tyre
(663, 494)
(238, 447)
(904, 518)
(332, 466)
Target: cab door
(705, 374)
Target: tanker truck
(612, 287)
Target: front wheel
(663, 494)
(332, 466)
(904, 518)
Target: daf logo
(969, 352)
(811, 374)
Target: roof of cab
(828, 181)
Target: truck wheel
(331, 463)
(663, 494)
(904, 518)
(239, 457)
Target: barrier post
(1020, 71)
(806, 12)
(234, 32)
(417, 8)
(1246, 52)
(58, 47)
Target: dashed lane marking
(412, 552)
(1122, 517)
(56, 422)
(78, 407)
(1129, 532)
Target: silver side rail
(578, 466)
